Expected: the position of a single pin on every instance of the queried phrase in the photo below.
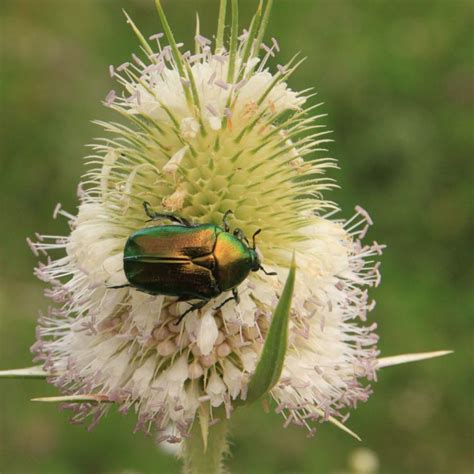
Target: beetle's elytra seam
(215, 270)
(151, 258)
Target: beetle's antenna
(267, 273)
(255, 235)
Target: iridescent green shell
(198, 261)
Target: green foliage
(395, 77)
(270, 365)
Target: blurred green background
(396, 78)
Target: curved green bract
(270, 365)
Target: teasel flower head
(200, 133)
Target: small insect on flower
(188, 260)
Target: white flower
(207, 334)
(189, 127)
(215, 389)
(206, 135)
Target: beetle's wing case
(173, 260)
(172, 241)
(172, 278)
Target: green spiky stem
(221, 26)
(209, 460)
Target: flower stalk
(205, 454)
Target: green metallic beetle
(189, 261)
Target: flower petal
(207, 334)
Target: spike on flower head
(201, 133)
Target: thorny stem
(200, 460)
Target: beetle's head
(255, 262)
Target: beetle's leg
(224, 220)
(235, 296)
(131, 286)
(255, 235)
(148, 211)
(267, 273)
(154, 216)
(239, 233)
(194, 307)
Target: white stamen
(207, 334)
(221, 84)
(156, 36)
